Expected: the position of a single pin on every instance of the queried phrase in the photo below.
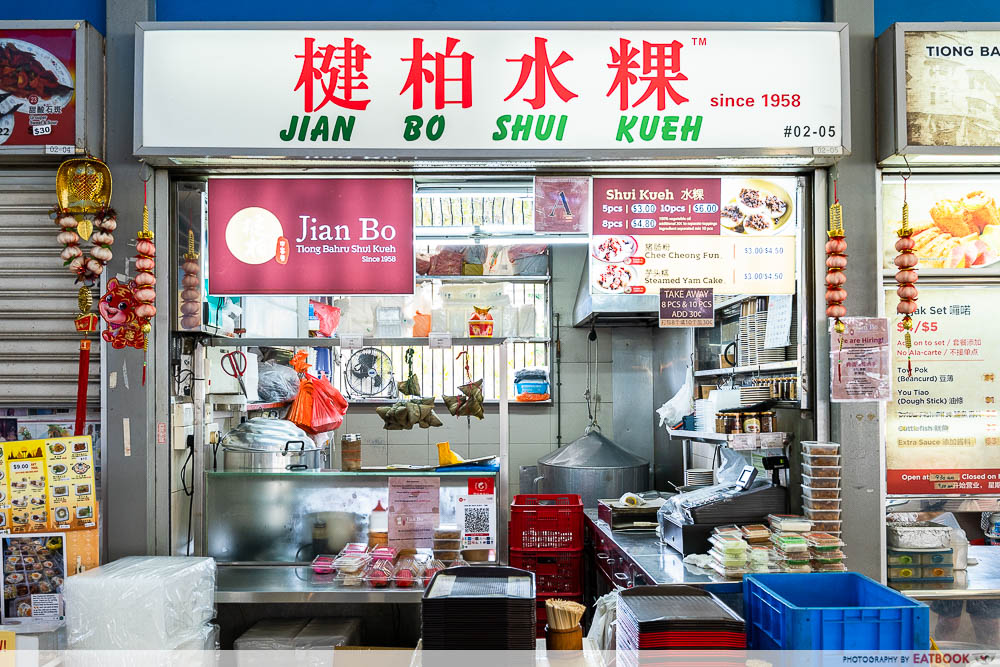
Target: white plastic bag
(682, 403)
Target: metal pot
(593, 467)
(260, 445)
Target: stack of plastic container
(546, 537)
(790, 548)
(729, 552)
(825, 552)
(821, 485)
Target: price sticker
(41, 130)
(20, 466)
(351, 341)
(438, 341)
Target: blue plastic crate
(841, 611)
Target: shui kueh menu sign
(733, 235)
(37, 87)
(943, 422)
(310, 236)
(414, 90)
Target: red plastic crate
(540, 615)
(559, 572)
(546, 521)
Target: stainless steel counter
(660, 563)
(981, 580)
(290, 584)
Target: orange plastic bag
(319, 406)
(421, 325)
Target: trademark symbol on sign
(699, 41)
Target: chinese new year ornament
(836, 263)
(145, 264)
(83, 215)
(906, 277)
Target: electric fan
(368, 374)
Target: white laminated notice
(443, 583)
(779, 321)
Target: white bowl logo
(252, 235)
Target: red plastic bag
(328, 316)
(319, 406)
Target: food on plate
(57, 448)
(614, 278)
(85, 512)
(57, 581)
(59, 469)
(19, 502)
(44, 587)
(49, 572)
(79, 447)
(615, 249)
(9, 591)
(24, 609)
(758, 207)
(38, 517)
(61, 490)
(35, 576)
(37, 501)
(29, 559)
(61, 514)
(19, 485)
(82, 489)
(750, 197)
(960, 234)
(15, 578)
(81, 468)
(37, 483)
(23, 75)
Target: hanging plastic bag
(276, 383)
(421, 325)
(319, 406)
(329, 317)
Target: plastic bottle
(378, 526)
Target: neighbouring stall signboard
(952, 87)
(859, 360)
(413, 90)
(686, 307)
(310, 236)
(48, 485)
(943, 424)
(562, 204)
(732, 235)
(955, 220)
(37, 87)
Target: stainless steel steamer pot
(268, 445)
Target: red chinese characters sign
(310, 236)
(465, 88)
(37, 87)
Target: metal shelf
(738, 441)
(381, 472)
(225, 341)
(485, 279)
(743, 370)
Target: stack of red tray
(674, 618)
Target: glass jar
(750, 422)
(733, 423)
(720, 422)
(767, 422)
(350, 452)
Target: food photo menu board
(733, 235)
(47, 485)
(34, 568)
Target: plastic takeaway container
(837, 611)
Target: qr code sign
(477, 520)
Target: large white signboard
(410, 90)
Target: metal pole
(503, 497)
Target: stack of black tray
(479, 608)
(674, 618)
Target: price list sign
(942, 424)
(732, 235)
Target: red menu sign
(310, 236)
(37, 87)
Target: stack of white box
(143, 602)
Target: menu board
(735, 235)
(942, 424)
(955, 221)
(47, 485)
(37, 87)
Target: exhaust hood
(606, 310)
